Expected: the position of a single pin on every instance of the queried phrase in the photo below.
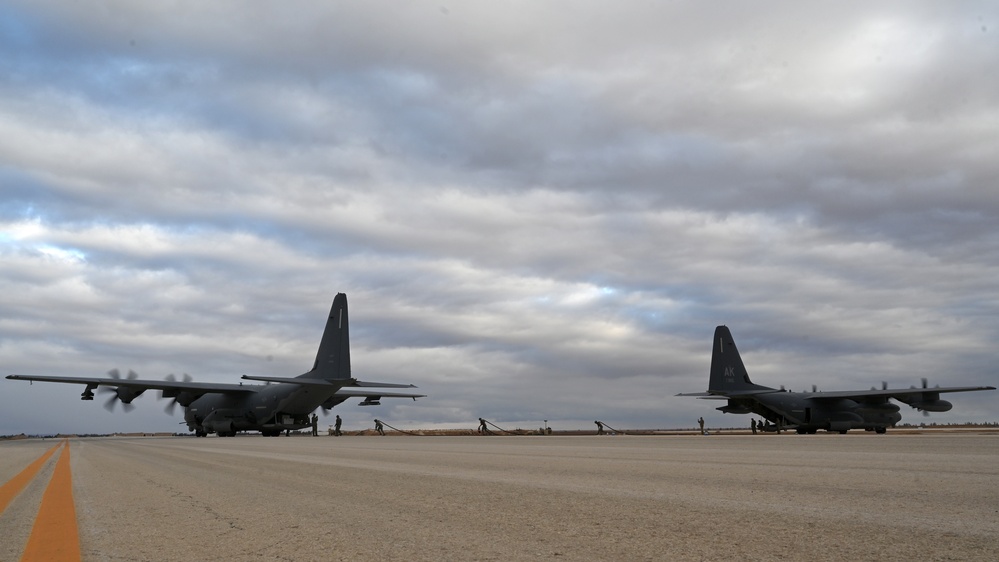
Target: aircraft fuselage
(269, 409)
(282, 404)
(806, 414)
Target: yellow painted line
(55, 536)
(13, 487)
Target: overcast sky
(538, 210)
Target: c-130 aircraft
(226, 409)
(807, 412)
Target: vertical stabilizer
(728, 374)
(333, 358)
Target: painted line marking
(55, 536)
(13, 487)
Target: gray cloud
(538, 211)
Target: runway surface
(819, 497)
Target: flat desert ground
(720, 497)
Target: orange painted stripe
(55, 536)
(13, 487)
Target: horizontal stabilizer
(715, 395)
(303, 381)
(348, 388)
(353, 391)
(382, 385)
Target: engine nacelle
(126, 395)
(932, 405)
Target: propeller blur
(282, 403)
(808, 412)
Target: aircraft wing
(902, 394)
(143, 384)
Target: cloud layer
(537, 210)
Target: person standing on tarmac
(315, 425)
(336, 426)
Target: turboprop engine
(929, 401)
(932, 405)
(123, 394)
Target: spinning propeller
(174, 396)
(925, 412)
(120, 394)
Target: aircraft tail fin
(728, 374)
(333, 357)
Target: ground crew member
(600, 428)
(315, 425)
(700, 422)
(752, 424)
(482, 426)
(378, 427)
(336, 426)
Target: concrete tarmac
(767, 497)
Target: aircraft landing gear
(880, 429)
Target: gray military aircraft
(807, 412)
(268, 408)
